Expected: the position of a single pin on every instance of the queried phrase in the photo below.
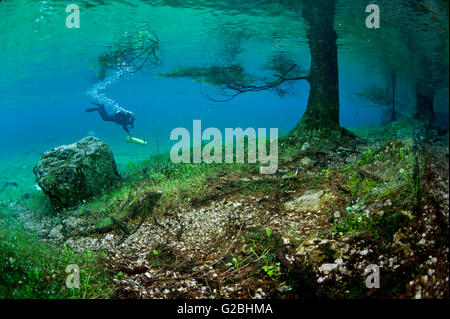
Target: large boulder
(70, 174)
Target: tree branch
(233, 90)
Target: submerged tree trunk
(425, 102)
(323, 104)
(394, 80)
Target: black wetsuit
(122, 117)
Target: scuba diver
(121, 117)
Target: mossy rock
(70, 174)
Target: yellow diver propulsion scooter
(135, 140)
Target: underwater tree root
(369, 175)
(135, 271)
(148, 200)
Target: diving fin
(92, 109)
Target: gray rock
(364, 252)
(70, 174)
(305, 146)
(327, 268)
(311, 200)
(418, 293)
(339, 261)
(306, 162)
(56, 234)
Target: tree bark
(425, 103)
(323, 104)
(394, 81)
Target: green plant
(252, 250)
(30, 268)
(118, 275)
(381, 227)
(273, 270)
(366, 157)
(235, 262)
(352, 222)
(326, 173)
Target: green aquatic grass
(177, 182)
(179, 185)
(356, 222)
(392, 179)
(33, 269)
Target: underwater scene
(222, 149)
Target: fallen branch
(135, 271)
(343, 189)
(366, 174)
(180, 233)
(121, 223)
(139, 202)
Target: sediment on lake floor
(309, 231)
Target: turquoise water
(47, 69)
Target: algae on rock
(72, 173)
